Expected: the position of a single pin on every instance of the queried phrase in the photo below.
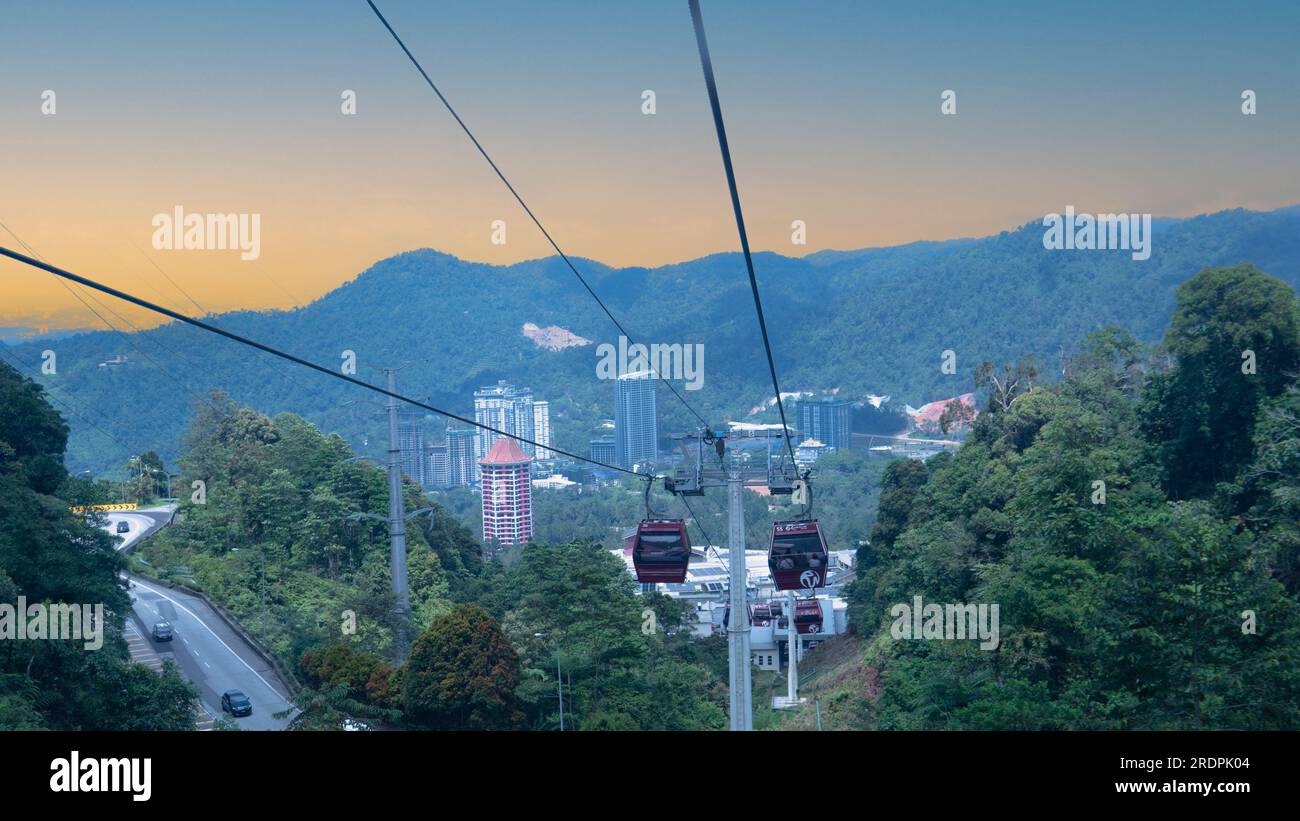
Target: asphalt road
(208, 652)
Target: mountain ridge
(873, 320)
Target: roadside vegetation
(49, 556)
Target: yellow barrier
(103, 508)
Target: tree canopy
(50, 555)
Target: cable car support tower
(732, 473)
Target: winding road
(208, 651)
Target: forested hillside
(1138, 525)
(272, 537)
(275, 539)
(876, 320)
(50, 556)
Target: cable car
(762, 615)
(661, 551)
(807, 616)
(797, 555)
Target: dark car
(162, 631)
(123, 527)
(236, 703)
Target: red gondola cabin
(807, 616)
(661, 551)
(797, 556)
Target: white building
(556, 481)
(808, 451)
(542, 428)
(512, 410)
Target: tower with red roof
(507, 493)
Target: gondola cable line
(797, 553)
(501, 175)
(144, 303)
(708, 541)
(707, 64)
(202, 311)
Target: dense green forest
(1138, 523)
(50, 556)
(271, 539)
(876, 321)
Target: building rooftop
(505, 452)
(555, 481)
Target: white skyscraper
(636, 419)
(542, 428)
(513, 411)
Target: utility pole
(559, 678)
(792, 650)
(559, 687)
(742, 709)
(397, 529)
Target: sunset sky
(833, 111)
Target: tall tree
(1235, 339)
(462, 674)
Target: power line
(523, 204)
(185, 293)
(113, 327)
(66, 405)
(707, 64)
(292, 298)
(204, 311)
(144, 303)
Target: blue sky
(832, 109)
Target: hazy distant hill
(874, 320)
(18, 334)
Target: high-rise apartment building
(542, 429)
(507, 493)
(410, 445)
(827, 419)
(438, 468)
(636, 419)
(512, 410)
(461, 466)
(602, 450)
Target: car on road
(236, 703)
(123, 526)
(162, 631)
